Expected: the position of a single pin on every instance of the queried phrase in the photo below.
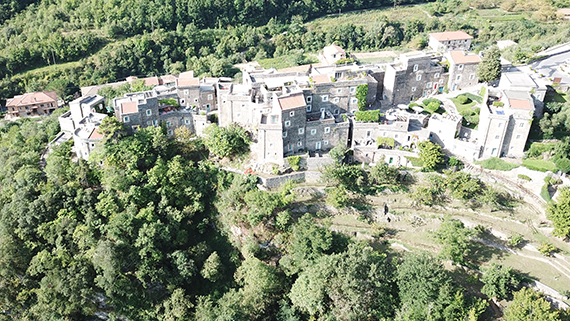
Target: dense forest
(61, 45)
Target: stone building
(194, 93)
(331, 54)
(462, 69)
(446, 130)
(451, 40)
(504, 123)
(86, 136)
(31, 104)
(413, 76)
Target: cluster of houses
(313, 111)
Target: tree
(338, 152)
(490, 67)
(499, 281)
(559, 213)
(430, 154)
(361, 93)
(212, 267)
(530, 306)
(226, 141)
(112, 128)
(261, 285)
(455, 238)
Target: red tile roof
(520, 104)
(95, 134)
(187, 82)
(152, 81)
(129, 108)
(321, 79)
(187, 74)
(291, 102)
(33, 99)
(451, 35)
(169, 78)
(460, 57)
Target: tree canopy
(490, 67)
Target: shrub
(545, 194)
(537, 149)
(498, 104)
(547, 249)
(453, 161)
(368, 116)
(338, 197)
(412, 105)
(515, 239)
(294, 162)
(386, 141)
(462, 99)
(467, 112)
(522, 176)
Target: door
(318, 146)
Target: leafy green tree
(226, 141)
(351, 177)
(430, 154)
(490, 67)
(261, 286)
(559, 213)
(338, 152)
(361, 93)
(112, 128)
(455, 239)
(212, 267)
(499, 281)
(531, 306)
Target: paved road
(550, 67)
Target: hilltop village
(380, 111)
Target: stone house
(446, 130)
(462, 69)
(413, 76)
(504, 123)
(31, 104)
(451, 40)
(517, 80)
(86, 136)
(331, 54)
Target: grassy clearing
(497, 163)
(368, 18)
(539, 165)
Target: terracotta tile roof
(33, 99)
(167, 79)
(187, 74)
(451, 35)
(152, 81)
(333, 49)
(129, 108)
(291, 102)
(520, 104)
(321, 79)
(95, 134)
(187, 82)
(460, 57)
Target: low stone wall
(274, 182)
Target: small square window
(309, 108)
(195, 100)
(242, 105)
(301, 131)
(521, 125)
(182, 101)
(496, 136)
(416, 67)
(472, 76)
(309, 99)
(291, 114)
(327, 130)
(336, 111)
(299, 144)
(419, 77)
(339, 90)
(354, 100)
(326, 142)
(168, 124)
(336, 100)
(460, 67)
(148, 112)
(126, 119)
(518, 136)
(313, 131)
(284, 134)
(413, 88)
(187, 121)
(149, 122)
(436, 75)
(290, 147)
(428, 85)
(458, 77)
(287, 123)
(352, 90)
(323, 109)
(155, 122)
(170, 132)
(210, 97)
(186, 92)
(500, 125)
(325, 97)
(238, 115)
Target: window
(290, 147)
(126, 119)
(339, 90)
(291, 114)
(521, 125)
(238, 115)
(92, 145)
(500, 125)
(186, 92)
(187, 121)
(148, 112)
(210, 97)
(170, 132)
(419, 77)
(155, 122)
(354, 101)
(416, 67)
(299, 144)
(313, 131)
(318, 145)
(195, 100)
(309, 99)
(323, 109)
(428, 85)
(368, 133)
(458, 77)
(327, 130)
(284, 134)
(182, 101)
(326, 142)
(274, 119)
(436, 75)
(460, 67)
(472, 76)
(337, 75)
(135, 128)
(309, 107)
(168, 124)
(148, 123)
(441, 81)
(352, 90)
(325, 97)
(242, 105)
(301, 131)
(396, 136)
(336, 111)
(496, 136)
(287, 123)
(336, 100)
(413, 88)
(518, 136)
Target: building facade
(451, 40)
(462, 69)
(32, 104)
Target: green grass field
(539, 165)
(287, 61)
(497, 163)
